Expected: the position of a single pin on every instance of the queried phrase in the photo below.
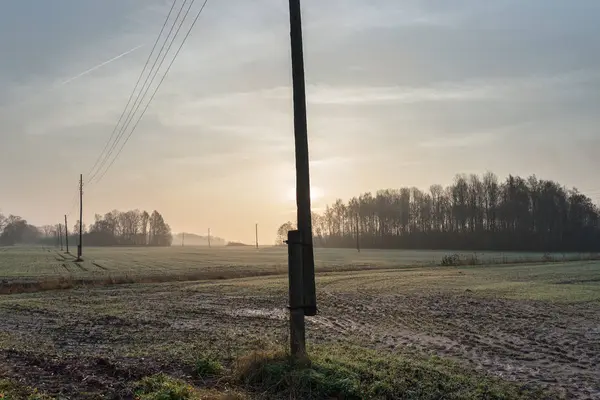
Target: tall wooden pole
(66, 234)
(60, 236)
(256, 235)
(357, 234)
(302, 160)
(80, 246)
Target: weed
(207, 366)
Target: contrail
(21, 102)
(98, 66)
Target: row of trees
(130, 228)
(474, 213)
(116, 228)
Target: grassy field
(404, 328)
(34, 263)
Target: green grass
(358, 373)
(163, 387)
(333, 372)
(339, 373)
(34, 263)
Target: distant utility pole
(302, 160)
(209, 238)
(357, 234)
(60, 236)
(183, 239)
(256, 234)
(66, 233)
(80, 246)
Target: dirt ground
(85, 342)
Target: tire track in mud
(493, 335)
(95, 264)
(81, 267)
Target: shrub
(452, 260)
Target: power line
(132, 92)
(156, 89)
(73, 203)
(138, 101)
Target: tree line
(473, 213)
(129, 228)
(116, 228)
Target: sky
(399, 92)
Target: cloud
(324, 95)
(471, 140)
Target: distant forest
(474, 213)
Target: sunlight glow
(316, 193)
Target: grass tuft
(163, 387)
(207, 366)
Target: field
(533, 325)
(37, 263)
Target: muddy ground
(82, 342)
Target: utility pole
(66, 234)
(209, 238)
(183, 239)
(60, 236)
(80, 246)
(357, 234)
(302, 160)
(256, 234)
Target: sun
(316, 193)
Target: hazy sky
(400, 93)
